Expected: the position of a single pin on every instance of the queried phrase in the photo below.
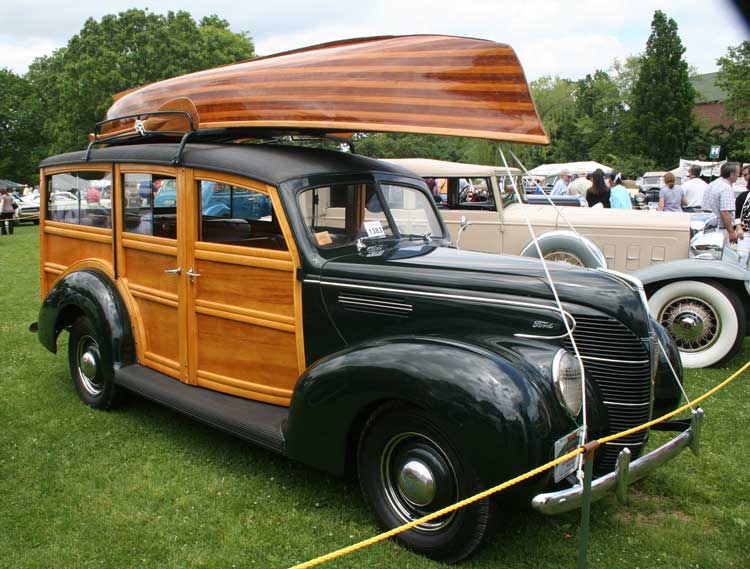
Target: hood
(426, 266)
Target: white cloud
(552, 37)
(18, 57)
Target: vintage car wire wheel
(705, 319)
(92, 374)
(408, 467)
(564, 257)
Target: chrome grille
(618, 361)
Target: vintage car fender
(89, 293)
(691, 269)
(569, 246)
(505, 411)
(667, 392)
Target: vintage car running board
(259, 423)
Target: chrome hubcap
(563, 257)
(416, 483)
(418, 479)
(693, 323)
(88, 365)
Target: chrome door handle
(191, 274)
(176, 271)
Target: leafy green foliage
(663, 98)
(120, 52)
(19, 128)
(734, 78)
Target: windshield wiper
(426, 237)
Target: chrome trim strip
(350, 302)
(346, 298)
(619, 404)
(448, 296)
(571, 498)
(537, 337)
(626, 445)
(592, 358)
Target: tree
(120, 52)
(734, 78)
(663, 98)
(20, 129)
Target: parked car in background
(695, 289)
(28, 209)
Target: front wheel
(705, 319)
(408, 467)
(93, 375)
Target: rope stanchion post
(588, 475)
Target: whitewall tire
(705, 318)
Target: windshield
(507, 194)
(339, 214)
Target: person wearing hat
(580, 185)
(561, 186)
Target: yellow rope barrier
(500, 487)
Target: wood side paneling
(63, 250)
(161, 332)
(147, 269)
(246, 287)
(248, 357)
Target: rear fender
(88, 293)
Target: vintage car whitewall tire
(705, 319)
(567, 247)
(92, 374)
(407, 468)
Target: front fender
(499, 413)
(90, 293)
(692, 269)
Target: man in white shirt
(580, 185)
(719, 199)
(561, 186)
(694, 188)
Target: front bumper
(625, 472)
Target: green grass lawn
(145, 487)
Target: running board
(259, 423)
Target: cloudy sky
(568, 39)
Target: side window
(462, 193)
(238, 216)
(149, 205)
(80, 198)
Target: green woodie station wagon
(310, 301)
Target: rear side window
(80, 198)
(238, 216)
(149, 205)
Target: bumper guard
(625, 472)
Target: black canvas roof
(272, 164)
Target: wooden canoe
(419, 84)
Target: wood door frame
(148, 243)
(286, 261)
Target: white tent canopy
(572, 167)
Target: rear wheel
(92, 375)
(705, 319)
(408, 467)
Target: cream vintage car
(695, 289)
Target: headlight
(707, 246)
(566, 375)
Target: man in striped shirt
(719, 199)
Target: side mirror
(464, 224)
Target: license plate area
(564, 445)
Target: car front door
(243, 300)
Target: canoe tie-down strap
(583, 449)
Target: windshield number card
(563, 446)
(374, 229)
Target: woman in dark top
(598, 192)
